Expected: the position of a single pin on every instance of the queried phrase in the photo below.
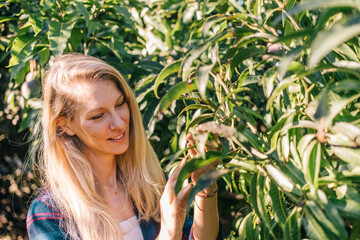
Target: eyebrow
(101, 108)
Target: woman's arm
(206, 216)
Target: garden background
(273, 86)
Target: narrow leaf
(278, 204)
(282, 180)
(167, 71)
(174, 93)
(202, 78)
(197, 51)
(292, 229)
(349, 155)
(328, 39)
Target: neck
(105, 171)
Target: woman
(101, 177)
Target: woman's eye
(122, 101)
(97, 116)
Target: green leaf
(197, 51)
(5, 19)
(253, 193)
(278, 204)
(349, 130)
(167, 71)
(36, 22)
(209, 22)
(47, 3)
(316, 4)
(174, 93)
(197, 106)
(254, 140)
(21, 48)
(337, 105)
(324, 220)
(76, 37)
(268, 82)
(285, 147)
(348, 206)
(349, 155)
(59, 33)
(246, 223)
(311, 160)
(328, 39)
(304, 142)
(282, 180)
(282, 85)
(199, 119)
(237, 6)
(194, 164)
(126, 15)
(346, 85)
(81, 8)
(287, 59)
(44, 56)
(93, 27)
(245, 53)
(260, 197)
(202, 78)
(292, 228)
(246, 165)
(314, 229)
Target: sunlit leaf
(197, 51)
(59, 33)
(202, 78)
(174, 93)
(167, 71)
(21, 48)
(328, 39)
(36, 22)
(282, 180)
(349, 155)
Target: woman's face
(101, 120)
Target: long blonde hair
(67, 171)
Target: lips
(118, 137)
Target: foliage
(272, 86)
(277, 90)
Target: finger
(192, 151)
(191, 143)
(190, 137)
(183, 196)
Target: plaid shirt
(43, 223)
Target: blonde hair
(67, 171)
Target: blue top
(43, 223)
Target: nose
(116, 122)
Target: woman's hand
(173, 208)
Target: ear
(63, 123)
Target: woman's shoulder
(42, 208)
